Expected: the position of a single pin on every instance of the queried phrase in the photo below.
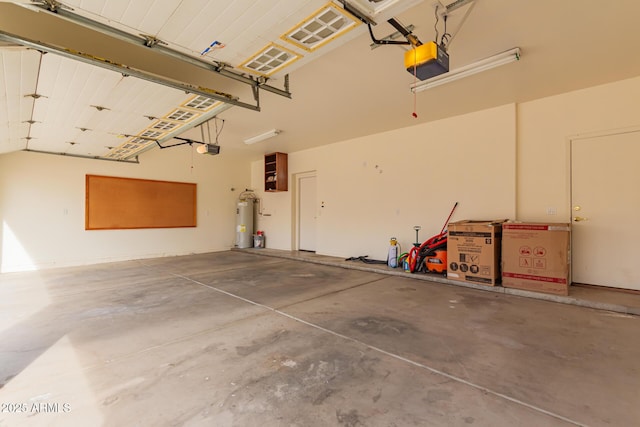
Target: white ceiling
(341, 90)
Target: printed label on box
(540, 263)
(525, 251)
(535, 278)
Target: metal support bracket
(151, 41)
(51, 5)
(393, 36)
(185, 141)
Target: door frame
(295, 206)
(570, 140)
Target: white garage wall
(512, 162)
(42, 201)
(501, 154)
(382, 185)
(544, 129)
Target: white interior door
(307, 213)
(605, 193)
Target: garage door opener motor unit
(427, 60)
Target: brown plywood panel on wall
(120, 203)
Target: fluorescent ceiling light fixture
(494, 61)
(262, 136)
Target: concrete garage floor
(237, 339)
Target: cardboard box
(535, 257)
(473, 251)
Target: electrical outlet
(552, 211)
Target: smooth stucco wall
(42, 203)
(507, 162)
(380, 186)
(545, 127)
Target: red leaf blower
(431, 256)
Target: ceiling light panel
(18, 77)
(320, 28)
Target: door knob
(579, 218)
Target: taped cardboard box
(473, 251)
(535, 257)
